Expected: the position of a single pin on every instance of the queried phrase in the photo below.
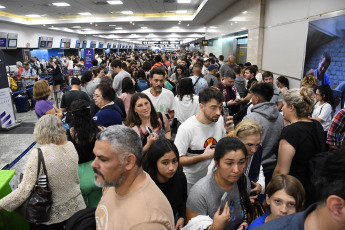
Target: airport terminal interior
(285, 37)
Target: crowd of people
(187, 141)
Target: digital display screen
(2, 42)
(93, 45)
(68, 44)
(77, 45)
(43, 44)
(84, 45)
(12, 42)
(49, 44)
(63, 44)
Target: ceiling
(150, 19)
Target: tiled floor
(15, 141)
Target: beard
(104, 183)
(212, 119)
(157, 89)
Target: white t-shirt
(162, 103)
(325, 113)
(70, 64)
(194, 135)
(186, 108)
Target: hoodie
(267, 115)
(240, 84)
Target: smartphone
(226, 114)
(223, 201)
(167, 115)
(149, 130)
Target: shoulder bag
(37, 208)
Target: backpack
(141, 85)
(13, 84)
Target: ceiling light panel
(184, 1)
(33, 15)
(127, 12)
(2, 7)
(115, 2)
(60, 4)
(84, 13)
(181, 11)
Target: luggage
(22, 103)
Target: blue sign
(6, 109)
(88, 57)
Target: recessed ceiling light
(33, 15)
(131, 22)
(87, 29)
(2, 7)
(115, 2)
(175, 27)
(76, 27)
(127, 12)
(213, 27)
(44, 25)
(181, 11)
(143, 27)
(184, 1)
(179, 21)
(243, 28)
(61, 4)
(96, 25)
(133, 34)
(84, 13)
(112, 25)
(187, 24)
(223, 34)
(244, 12)
(118, 28)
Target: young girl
(285, 196)
(161, 163)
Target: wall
(225, 23)
(285, 34)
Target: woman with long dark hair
(178, 73)
(142, 82)
(82, 134)
(186, 100)
(227, 182)
(161, 162)
(127, 92)
(142, 114)
(324, 107)
(58, 79)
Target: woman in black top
(301, 140)
(161, 163)
(82, 134)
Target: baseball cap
(212, 67)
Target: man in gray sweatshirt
(267, 115)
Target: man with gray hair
(131, 199)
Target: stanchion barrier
(9, 166)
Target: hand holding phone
(223, 201)
(149, 130)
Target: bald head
(231, 60)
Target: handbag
(37, 208)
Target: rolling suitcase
(22, 103)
